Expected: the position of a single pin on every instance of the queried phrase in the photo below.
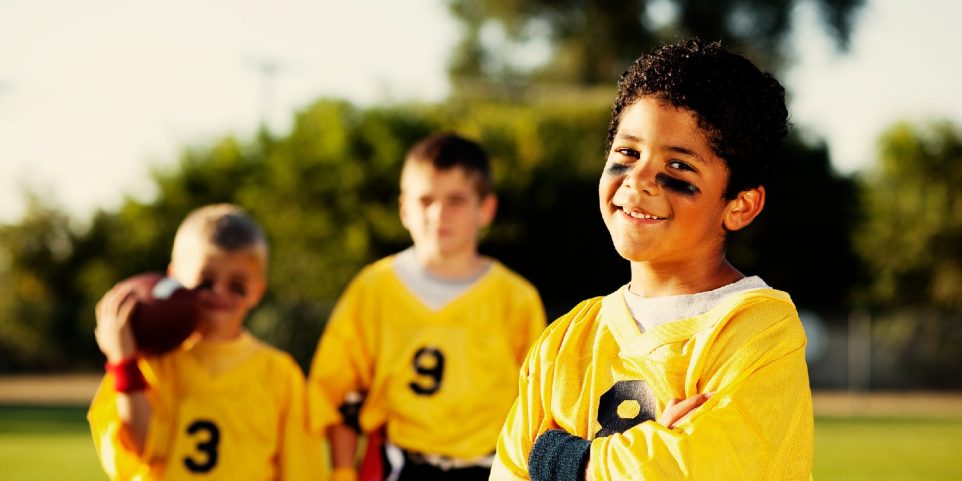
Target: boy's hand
(344, 474)
(679, 410)
(113, 332)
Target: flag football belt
(440, 461)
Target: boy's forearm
(772, 438)
(134, 411)
(343, 442)
(567, 458)
(651, 451)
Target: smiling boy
(693, 130)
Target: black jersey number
(206, 457)
(634, 397)
(429, 366)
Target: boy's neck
(453, 266)
(657, 280)
(221, 333)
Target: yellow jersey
(440, 380)
(596, 375)
(220, 411)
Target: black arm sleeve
(558, 456)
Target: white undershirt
(649, 312)
(435, 292)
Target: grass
(887, 448)
(46, 442)
(53, 442)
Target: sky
(95, 94)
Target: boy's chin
(630, 253)
(218, 324)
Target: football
(165, 315)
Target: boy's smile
(662, 191)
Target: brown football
(165, 315)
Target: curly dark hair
(741, 108)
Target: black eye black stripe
(674, 184)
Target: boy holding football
(432, 337)
(223, 405)
(693, 131)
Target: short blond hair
(225, 227)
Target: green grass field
(44, 443)
(886, 448)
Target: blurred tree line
(537, 42)
(326, 192)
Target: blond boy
(223, 406)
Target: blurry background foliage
(326, 193)
(591, 42)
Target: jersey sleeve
(757, 425)
(300, 450)
(510, 461)
(342, 363)
(534, 321)
(117, 457)
(116, 453)
(527, 417)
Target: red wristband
(127, 376)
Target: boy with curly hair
(692, 370)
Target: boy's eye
(616, 167)
(679, 165)
(205, 284)
(238, 288)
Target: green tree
(593, 42)
(911, 236)
(910, 242)
(38, 295)
(326, 194)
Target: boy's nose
(438, 211)
(642, 177)
(219, 289)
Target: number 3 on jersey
(206, 457)
(428, 369)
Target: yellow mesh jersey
(220, 411)
(442, 380)
(594, 374)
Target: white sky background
(905, 63)
(93, 93)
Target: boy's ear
(489, 207)
(744, 208)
